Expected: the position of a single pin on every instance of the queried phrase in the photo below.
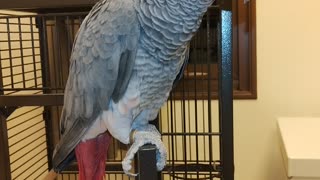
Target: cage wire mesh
(20, 69)
(34, 59)
(20, 56)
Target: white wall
(288, 66)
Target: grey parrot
(126, 58)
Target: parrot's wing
(184, 66)
(101, 64)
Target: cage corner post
(145, 163)
(5, 170)
(226, 91)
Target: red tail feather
(91, 156)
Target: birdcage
(196, 122)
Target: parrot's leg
(91, 156)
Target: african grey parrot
(126, 58)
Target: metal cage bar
(226, 91)
(5, 171)
(146, 163)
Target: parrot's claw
(130, 174)
(141, 136)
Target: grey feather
(99, 65)
(180, 75)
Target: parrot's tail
(91, 156)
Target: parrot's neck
(169, 25)
(195, 8)
(190, 12)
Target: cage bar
(146, 163)
(226, 92)
(5, 171)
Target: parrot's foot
(91, 156)
(141, 136)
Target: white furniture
(300, 146)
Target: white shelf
(300, 145)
